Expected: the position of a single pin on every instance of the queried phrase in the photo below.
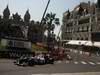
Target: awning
(79, 42)
(88, 43)
(73, 42)
(97, 44)
(85, 43)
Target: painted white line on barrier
(71, 50)
(75, 62)
(80, 52)
(75, 51)
(98, 63)
(83, 62)
(92, 63)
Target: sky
(37, 7)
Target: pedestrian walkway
(78, 62)
(87, 73)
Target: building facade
(82, 23)
(17, 34)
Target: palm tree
(50, 21)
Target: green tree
(50, 21)
(33, 31)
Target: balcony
(70, 20)
(85, 16)
(96, 27)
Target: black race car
(25, 61)
(31, 61)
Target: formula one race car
(25, 61)
(31, 61)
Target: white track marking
(87, 73)
(67, 62)
(59, 61)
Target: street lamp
(43, 19)
(58, 42)
(45, 12)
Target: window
(82, 39)
(87, 28)
(84, 21)
(78, 38)
(98, 18)
(10, 43)
(80, 29)
(86, 38)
